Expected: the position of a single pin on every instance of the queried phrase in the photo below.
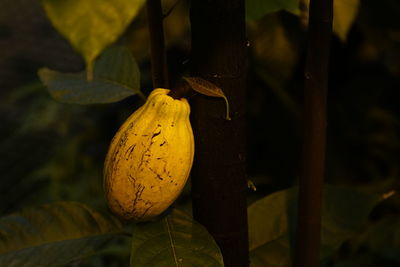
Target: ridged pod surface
(149, 158)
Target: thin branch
(157, 44)
(311, 180)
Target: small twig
(157, 44)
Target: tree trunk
(219, 183)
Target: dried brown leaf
(207, 88)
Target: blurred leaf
(54, 234)
(344, 15)
(272, 222)
(345, 212)
(175, 240)
(360, 261)
(33, 102)
(256, 9)
(65, 153)
(383, 238)
(275, 253)
(386, 186)
(275, 49)
(116, 76)
(345, 12)
(115, 254)
(23, 133)
(91, 25)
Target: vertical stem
(303, 5)
(157, 45)
(219, 183)
(311, 180)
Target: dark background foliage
(51, 151)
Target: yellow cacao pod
(149, 158)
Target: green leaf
(116, 76)
(91, 25)
(175, 240)
(53, 234)
(272, 222)
(256, 9)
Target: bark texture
(219, 183)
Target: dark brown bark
(311, 179)
(157, 45)
(219, 182)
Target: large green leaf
(91, 25)
(272, 222)
(53, 234)
(255, 9)
(175, 240)
(116, 76)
